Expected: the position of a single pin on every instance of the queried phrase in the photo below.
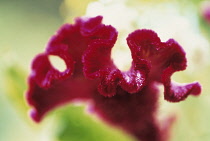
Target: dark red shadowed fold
(165, 58)
(49, 88)
(125, 99)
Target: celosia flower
(125, 99)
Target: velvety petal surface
(164, 58)
(126, 99)
(99, 64)
(134, 113)
(48, 87)
(131, 98)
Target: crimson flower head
(125, 99)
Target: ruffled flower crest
(125, 99)
(48, 87)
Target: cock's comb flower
(126, 99)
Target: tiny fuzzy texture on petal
(126, 106)
(48, 87)
(127, 99)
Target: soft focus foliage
(26, 26)
(83, 126)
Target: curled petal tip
(35, 116)
(196, 90)
(178, 92)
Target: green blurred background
(25, 28)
